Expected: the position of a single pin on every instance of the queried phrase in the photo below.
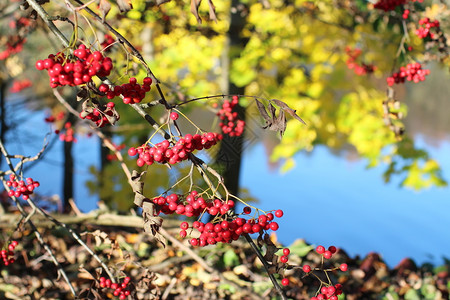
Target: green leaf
(228, 287)
(412, 294)
(230, 258)
(300, 247)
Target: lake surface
(332, 201)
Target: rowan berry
(274, 226)
(285, 282)
(343, 267)
(320, 249)
(306, 268)
(327, 254)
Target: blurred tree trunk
(104, 162)
(68, 176)
(230, 152)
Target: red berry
(306, 268)
(285, 281)
(320, 249)
(327, 254)
(332, 249)
(343, 267)
(247, 210)
(174, 116)
(132, 151)
(274, 226)
(279, 213)
(286, 251)
(284, 259)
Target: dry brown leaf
(194, 9)
(152, 223)
(274, 122)
(124, 5)
(212, 11)
(138, 186)
(287, 109)
(104, 7)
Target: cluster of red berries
(67, 136)
(120, 289)
(19, 23)
(226, 231)
(21, 187)
(388, 5)
(107, 42)
(99, 114)
(131, 92)
(163, 152)
(19, 85)
(191, 205)
(425, 30)
(14, 42)
(58, 117)
(12, 48)
(330, 292)
(285, 257)
(112, 157)
(359, 69)
(7, 255)
(327, 254)
(230, 123)
(222, 229)
(412, 72)
(405, 14)
(76, 69)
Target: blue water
(326, 199)
(332, 201)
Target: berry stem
(266, 266)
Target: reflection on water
(331, 198)
(331, 201)
(427, 107)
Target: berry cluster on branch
(230, 122)
(19, 85)
(424, 31)
(131, 92)
(388, 5)
(164, 152)
(67, 134)
(119, 289)
(358, 68)
(101, 114)
(223, 228)
(8, 255)
(328, 290)
(22, 188)
(412, 72)
(76, 69)
(107, 42)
